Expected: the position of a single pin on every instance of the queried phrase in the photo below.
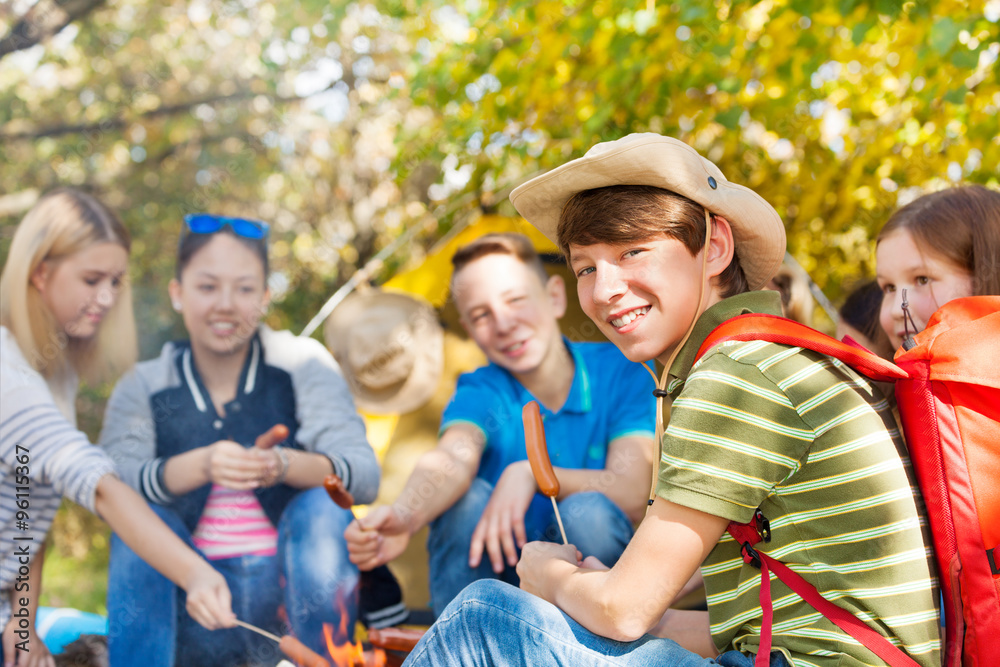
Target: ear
(266, 301)
(40, 277)
(555, 287)
(174, 290)
(721, 246)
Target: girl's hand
(208, 598)
(233, 466)
(542, 564)
(37, 654)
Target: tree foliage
(345, 123)
(835, 112)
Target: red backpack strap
(749, 534)
(781, 330)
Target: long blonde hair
(61, 223)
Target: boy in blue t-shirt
(476, 489)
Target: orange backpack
(950, 409)
(948, 391)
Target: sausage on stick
(300, 653)
(335, 488)
(395, 639)
(271, 437)
(291, 647)
(538, 457)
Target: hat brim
(663, 162)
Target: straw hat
(663, 162)
(390, 347)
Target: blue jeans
(310, 575)
(492, 623)
(593, 523)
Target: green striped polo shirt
(815, 446)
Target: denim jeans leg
(142, 605)
(448, 547)
(492, 623)
(737, 659)
(596, 525)
(253, 582)
(321, 583)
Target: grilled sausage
(338, 494)
(538, 453)
(300, 653)
(271, 437)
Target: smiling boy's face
(507, 310)
(643, 296)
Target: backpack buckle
(991, 556)
(750, 555)
(763, 525)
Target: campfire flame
(348, 654)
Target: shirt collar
(580, 397)
(767, 302)
(248, 376)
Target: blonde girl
(66, 314)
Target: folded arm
(632, 598)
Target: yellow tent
(430, 279)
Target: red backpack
(948, 391)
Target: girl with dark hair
(940, 247)
(193, 431)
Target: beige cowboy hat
(390, 347)
(663, 162)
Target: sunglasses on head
(205, 223)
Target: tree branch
(43, 20)
(118, 122)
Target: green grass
(76, 561)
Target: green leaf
(890, 8)
(860, 30)
(730, 84)
(965, 59)
(957, 96)
(944, 34)
(730, 118)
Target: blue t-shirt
(611, 397)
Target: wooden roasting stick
(290, 646)
(538, 457)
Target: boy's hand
(208, 599)
(542, 563)
(37, 654)
(376, 539)
(501, 528)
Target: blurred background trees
(345, 124)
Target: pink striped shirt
(234, 524)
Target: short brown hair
(962, 225)
(517, 245)
(619, 214)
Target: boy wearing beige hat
(665, 249)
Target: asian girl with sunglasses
(186, 432)
(66, 313)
